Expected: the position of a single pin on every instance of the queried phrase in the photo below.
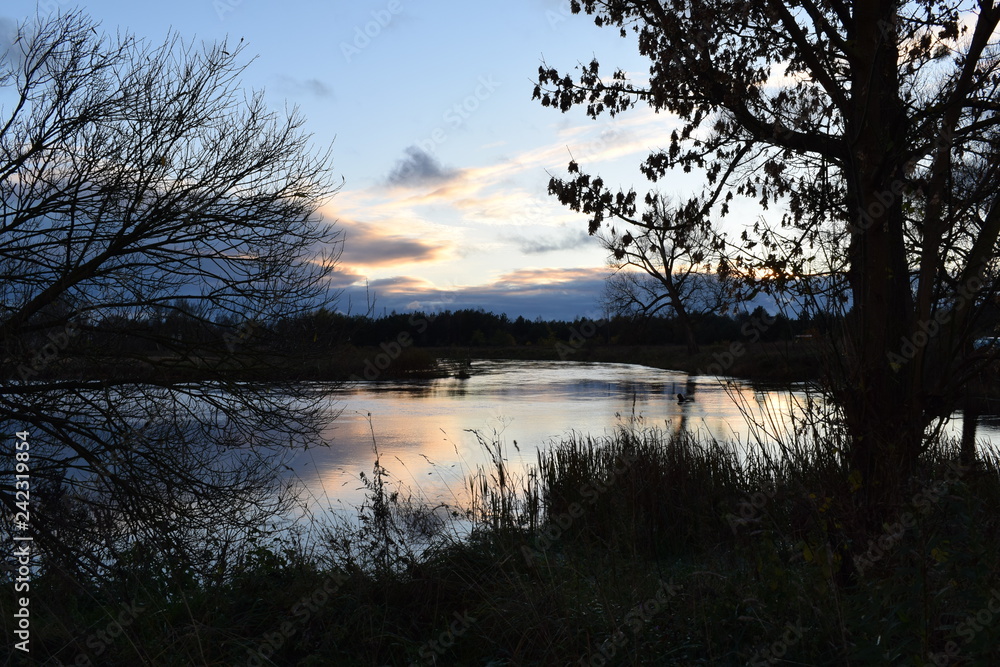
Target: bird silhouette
(681, 398)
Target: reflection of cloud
(368, 246)
(419, 168)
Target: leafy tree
(145, 196)
(874, 127)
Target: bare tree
(663, 263)
(155, 220)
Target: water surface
(423, 429)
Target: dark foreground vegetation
(639, 549)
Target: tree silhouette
(873, 126)
(662, 263)
(146, 197)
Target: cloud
(368, 246)
(406, 293)
(542, 244)
(419, 168)
(292, 85)
(534, 278)
(490, 193)
(10, 52)
(475, 188)
(343, 277)
(404, 285)
(547, 293)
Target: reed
(639, 547)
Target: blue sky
(445, 156)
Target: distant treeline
(478, 328)
(323, 330)
(325, 344)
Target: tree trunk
(692, 342)
(972, 406)
(881, 397)
(969, 417)
(683, 318)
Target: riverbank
(633, 549)
(761, 362)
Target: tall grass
(639, 547)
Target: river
(424, 429)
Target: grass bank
(641, 548)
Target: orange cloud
(403, 285)
(545, 277)
(369, 246)
(546, 292)
(344, 276)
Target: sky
(444, 156)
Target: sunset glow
(444, 155)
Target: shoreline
(758, 362)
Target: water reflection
(422, 428)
